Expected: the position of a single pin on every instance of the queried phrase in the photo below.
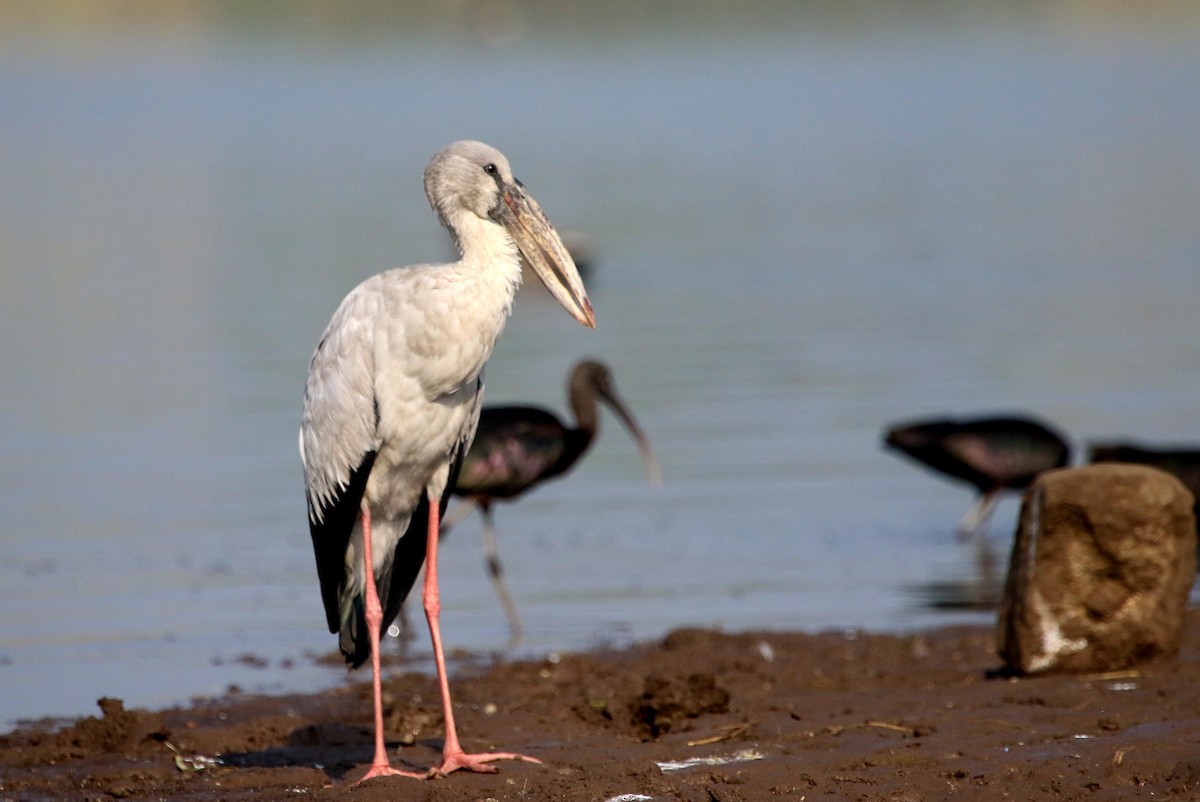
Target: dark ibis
(517, 448)
(992, 453)
(391, 402)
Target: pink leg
(380, 766)
(453, 757)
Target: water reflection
(804, 231)
(981, 590)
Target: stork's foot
(384, 770)
(479, 762)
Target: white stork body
(392, 400)
(379, 378)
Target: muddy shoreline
(699, 715)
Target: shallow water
(802, 234)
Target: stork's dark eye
(490, 169)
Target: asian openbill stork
(392, 400)
(517, 448)
(993, 454)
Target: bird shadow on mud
(332, 748)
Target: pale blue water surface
(804, 230)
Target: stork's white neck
(488, 249)
(464, 307)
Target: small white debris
(715, 760)
(766, 652)
(629, 798)
(192, 762)
(1122, 686)
(195, 762)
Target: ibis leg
(496, 572)
(453, 757)
(380, 766)
(977, 515)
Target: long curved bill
(544, 251)
(653, 471)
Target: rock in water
(1102, 563)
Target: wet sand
(698, 716)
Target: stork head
(473, 178)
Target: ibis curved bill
(391, 403)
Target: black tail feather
(331, 528)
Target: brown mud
(698, 716)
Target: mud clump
(667, 701)
(116, 730)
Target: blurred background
(809, 219)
